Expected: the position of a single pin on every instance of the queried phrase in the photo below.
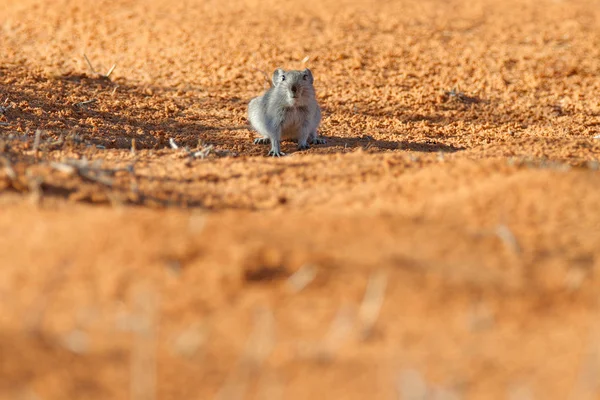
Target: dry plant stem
(143, 358)
(202, 153)
(38, 309)
(110, 71)
(508, 238)
(301, 278)
(588, 380)
(34, 184)
(370, 307)
(340, 329)
(36, 142)
(82, 103)
(412, 386)
(8, 169)
(107, 75)
(258, 348)
(90, 64)
(85, 172)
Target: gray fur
(288, 110)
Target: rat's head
(297, 86)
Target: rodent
(287, 110)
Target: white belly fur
(292, 124)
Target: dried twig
(460, 96)
(84, 170)
(83, 103)
(202, 153)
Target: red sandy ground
(448, 231)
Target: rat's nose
(294, 88)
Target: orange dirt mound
(444, 242)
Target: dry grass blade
(412, 386)
(35, 317)
(301, 278)
(173, 144)
(203, 153)
(107, 76)
(588, 381)
(508, 238)
(4, 107)
(62, 167)
(326, 349)
(368, 313)
(520, 392)
(83, 103)
(96, 177)
(340, 329)
(8, 169)
(143, 358)
(89, 64)
(86, 171)
(36, 141)
(110, 71)
(258, 348)
(34, 184)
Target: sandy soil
(444, 242)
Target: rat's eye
(282, 78)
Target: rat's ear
(278, 76)
(308, 75)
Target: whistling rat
(288, 110)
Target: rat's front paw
(276, 153)
(318, 140)
(261, 140)
(304, 146)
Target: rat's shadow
(368, 142)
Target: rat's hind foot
(262, 140)
(304, 146)
(318, 140)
